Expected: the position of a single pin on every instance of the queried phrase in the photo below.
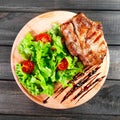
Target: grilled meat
(71, 39)
(84, 38)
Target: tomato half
(44, 37)
(63, 65)
(27, 66)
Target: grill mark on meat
(89, 37)
(74, 30)
(94, 39)
(98, 37)
(99, 26)
(82, 45)
(102, 43)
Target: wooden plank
(114, 69)
(31, 5)
(5, 68)
(6, 73)
(12, 22)
(13, 101)
(62, 117)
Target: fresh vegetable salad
(46, 62)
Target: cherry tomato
(63, 65)
(27, 66)
(44, 37)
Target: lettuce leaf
(46, 57)
(26, 48)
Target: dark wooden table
(14, 104)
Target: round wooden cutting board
(84, 88)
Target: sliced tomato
(63, 65)
(44, 37)
(27, 66)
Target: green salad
(46, 62)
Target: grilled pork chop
(84, 38)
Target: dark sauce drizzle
(86, 89)
(46, 100)
(76, 77)
(81, 79)
(60, 91)
(78, 85)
